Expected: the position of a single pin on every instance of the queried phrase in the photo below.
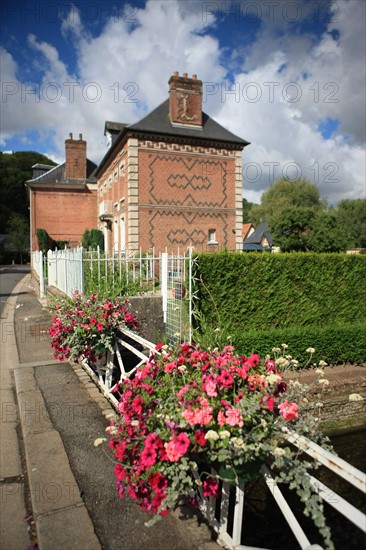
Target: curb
(59, 512)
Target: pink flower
(100, 326)
(233, 417)
(199, 416)
(177, 447)
(288, 410)
(209, 386)
(221, 418)
(93, 321)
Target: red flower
(200, 438)
(210, 488)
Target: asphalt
(57, 488)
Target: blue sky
(287, 76)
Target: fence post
(41, 276)
(82, 281)
(164, 283)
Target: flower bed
(188, 410)
(86, 326)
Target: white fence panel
(65, 270)
(38, 266)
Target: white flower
(217, 329)
(99, 441)
(282, 362)
(324, 381)
(276, 350)
(310, 350)
(198, 482)
(319, 404)
(211, 435)
(285, 346)
(176, 334)
(355, 397)
(134, 422)
(223, 435)
(273, 378)
(263, 423)
(182, 368)
(279, 452)
(112, 430)
(319, 371)
(238, 442)
(322, 364)
(295, 384)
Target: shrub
(333, 344)
(267, 291)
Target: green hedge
(334, 344)
(248, 291)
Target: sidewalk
(57, 489)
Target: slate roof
(253, 242)
(57, 176)
(158, 123)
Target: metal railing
(219, 513)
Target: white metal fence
(129, 273)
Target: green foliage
(300, 221)
(18, 230)
(327, 234)
(44, 240)
(247, 206)
(110, 279)
(289, 208)
(342, 344)
(265, 291)
(92, 238)
(351, 215)
(15, 169)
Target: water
(265, 526)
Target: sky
(287, 76)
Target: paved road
(9, 277)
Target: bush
(92, 238)
(333, 344)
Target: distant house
(173, 179)
(248, 229)
(63, 198)
(259, 239)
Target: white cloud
(123, 73)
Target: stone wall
(149, 311)
(339, 414)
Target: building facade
(172, 180)
(63, 198)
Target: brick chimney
(185, 100)
(75, 153)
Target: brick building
(63, 198)
(172, 179)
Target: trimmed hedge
(334, 344)
(248, 291)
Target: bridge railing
(222, 515)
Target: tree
(327, 234)
(15, 170)
(247, 206)
(92, 238)
(351, 215)
(18, 230)
(291, 209)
